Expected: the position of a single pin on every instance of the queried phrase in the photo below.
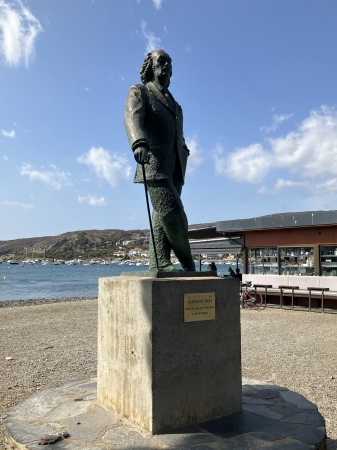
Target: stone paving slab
(272, 417)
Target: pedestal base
(158, 369)
(272, 417)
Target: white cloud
(281, 185)
(17, 204)
(248, 164)
(18, 32)
(152, 41)
(311, 150)
(5, 158)
(92, 201)
(308, 153)
(195, 158)
(277, 119)
(113, 168)
(53, 177)
(327, 186)
(9, 134)
(157, 3)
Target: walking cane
(149, 214)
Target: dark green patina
(154, 126)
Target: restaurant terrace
(298, 250)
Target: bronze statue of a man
(154, 126)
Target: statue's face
(162, 68)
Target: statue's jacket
(156, 122)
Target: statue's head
(157, 66)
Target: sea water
(37, 281)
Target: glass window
(297, 261)
(262, 261)
(329, 261)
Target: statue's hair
(146, 72)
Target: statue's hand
(141, 155)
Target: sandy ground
(51, 343)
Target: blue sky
(256, 81)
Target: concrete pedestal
(157, 370)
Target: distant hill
(73, 244)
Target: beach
(44, 343)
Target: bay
(38, 281)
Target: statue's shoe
(170, 268)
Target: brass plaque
(199, 307)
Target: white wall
(292, 280)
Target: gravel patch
(49, 342)
(41, 301)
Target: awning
(217, 246)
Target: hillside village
(90, 244)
